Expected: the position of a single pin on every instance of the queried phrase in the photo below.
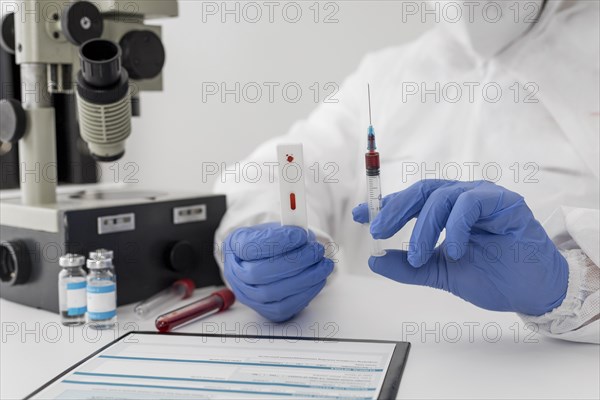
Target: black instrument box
(156, 239)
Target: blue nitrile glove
(495, 255)
(276, 270)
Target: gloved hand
(495, 255)
(276, 270)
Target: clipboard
(388, 389)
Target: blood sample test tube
(179, 290)
(218, 301)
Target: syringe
(373, 181)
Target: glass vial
(72, 298)
(103, 253)
(101, 294)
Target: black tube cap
(100, 62)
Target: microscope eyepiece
(100, 62)
(103, 99)
(101, 79)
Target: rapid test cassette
(292, 189)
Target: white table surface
(477, 364)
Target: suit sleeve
(576, 233)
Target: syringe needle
(371, 137)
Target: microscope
(99, 56)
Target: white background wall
(178, 130)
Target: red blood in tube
(216, 302)
(292, 201)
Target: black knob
(143, 54)
(15, 267)
(182, 257)
(82, 21)
(7, 33)
(13, 121)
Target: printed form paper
(143, 366)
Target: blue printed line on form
(207, 390)
(221, 381)
(241, 363)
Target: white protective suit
(539, 138)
